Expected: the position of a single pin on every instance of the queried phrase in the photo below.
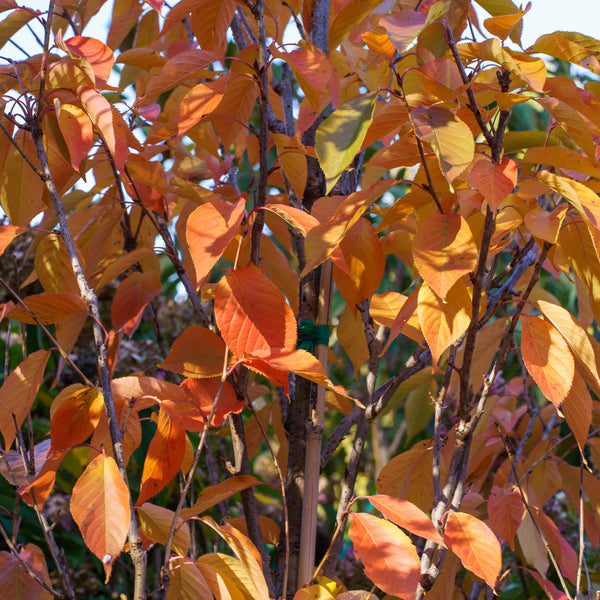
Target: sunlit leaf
(236, 578)
(341, 134)
(200, 101)
(406, 515)
(346, 19)
(76, 418)
(77, 130)
(494, 180)
(165, 453)
(209, 230)
(387, 553)
(100, 506)
(186, 580)
(98, 55)
(577, 407)
(577, 48)
(252, 314)
(475, 544)
(547, 357)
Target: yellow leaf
(155, 525)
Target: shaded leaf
(475, 544)
(100, 506)
(186, 580)
(444, 251)
(16, 582)
(155, 526)
(77, 131)
(49, 308)
(577, 407)
(197, 352)
(506, 511)
(39, 489)
(18, 393)
(389, 557)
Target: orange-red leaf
(16, 582)
(444, 251)
(389, 557)
(475, 544)
(406, 515)
(197, 352)
(548, 358)
(199, 102)
(506, 511)
(7, 234)
(133, 295)
(39, 489)
(77, 130)
(494, 180)
(202, 393)
(577, 407)
(252, 314)
(97, 54)
(18, 393)
(165, 453)
(100, 506)
(76, 418)
(209, 230)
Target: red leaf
(494, 180)
(165, 453)
(406, 515)
(389, 557)
(506, 511)
(252, 314)
(97, 54)
(199, 102)
(77, 130)
(100, 506)
(475, 544)
(133, 295)
(202, 393)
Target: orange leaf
(209, 230)
(202, 393)
(97, 54)
(443, 322)
(475, 544)
(197, 352)
(132, 297)
(364, 256)
(7, 234)
(49, 308)
(389, 557)
(213, 494)
(165, 453)
(494, 180)
(200, 101)
(506, 511)
(18, 393)
(548, 358)
(39, 489)
(407, 310)
(444, 251)
(76, 418)
(406, 515)
(186, 580)
(100, 506)
(300, 220)
(252, 314)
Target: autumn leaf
(155, 526)
(100, 506)
(494, 180)
(548, 358)
(475, 544)
(341, 134)
(76, 418)
(16, 582)
(450, 138)
(252, 314)
(186, 580)
(197, 352)
(199, 102)
(444, 251)
(18, 393)
(49, 308)
(165, 453)
(389, 557)
(506, 511)
(406, 515)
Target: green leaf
(341, 134)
